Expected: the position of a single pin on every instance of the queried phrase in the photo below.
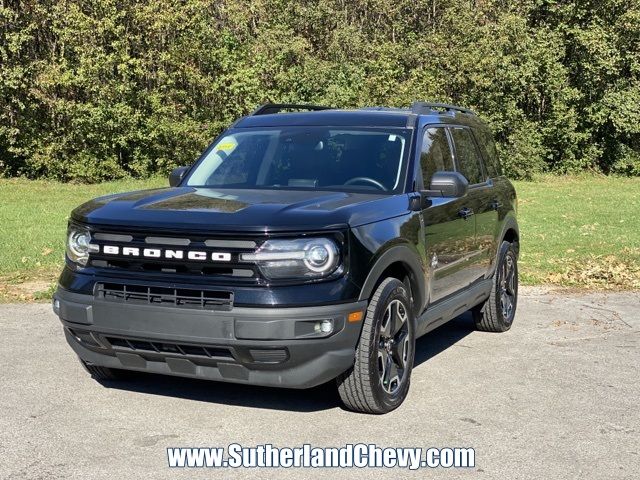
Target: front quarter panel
(376, 246)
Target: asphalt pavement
(557, 397)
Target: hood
(207, 209)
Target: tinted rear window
(467, 155)
(489, 152)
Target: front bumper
(259, 346)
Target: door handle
(465, 212)
(496, 205)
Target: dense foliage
(97, 89)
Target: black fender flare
(509, 222)
(412, 262)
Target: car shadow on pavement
(443, 337)
(323, 397)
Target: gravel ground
(555, 397)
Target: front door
(449, 223)
(480, 200)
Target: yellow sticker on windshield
(226, 146)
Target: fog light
(324, 326)
(56, 306)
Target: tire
(379, 380)
(497, 312)
(103, 373)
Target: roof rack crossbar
(269, 108)
(427, 107)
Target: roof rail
(427, 107)
(268, 108)
(383, 109)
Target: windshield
(323, 158)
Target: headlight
(301, 258)
(78, 245)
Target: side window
(488, 150)
(435, 155)
(467, 155)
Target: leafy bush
(99, 89)
(627, 161)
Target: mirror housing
(447, 184)
(418, 201)
(176, 176)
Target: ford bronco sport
(306, 244)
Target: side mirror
(175, 177)
(448, 184)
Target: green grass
(33, 222)
(580, 231)
(575, 231)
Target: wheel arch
(402, 263)
(510, 233)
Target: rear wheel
(103, 373)
(497, 312)
(379, 380)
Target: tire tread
(487, 316)
(353, 385)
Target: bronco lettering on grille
(163, 253)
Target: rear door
(468, 161)
(488, 221)
(449, 235)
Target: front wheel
(497, 312)
(379, 380)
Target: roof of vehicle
(275, 115)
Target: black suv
(306, 244)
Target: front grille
(165, 296)
(145, 346)
(263, 355)
(232, 269)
